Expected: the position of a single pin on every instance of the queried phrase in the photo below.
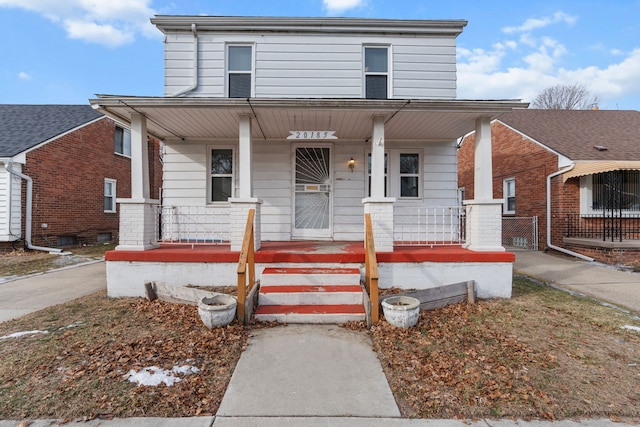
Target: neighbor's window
(509, 194)
(221, 174)
(239, 66)
(123, 141)
(376, 72)
(109, 195)
(616, 190)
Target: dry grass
(542, 354)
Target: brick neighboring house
(78, 161)
(592, 161)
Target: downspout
(195, 64)
(557, 248)
(27, 226)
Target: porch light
(351, 163)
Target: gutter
(27, 226)
(195, 64)
(557, 248)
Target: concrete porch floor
(307, 252)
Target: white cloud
(110, 23)
(24, 76)
(334, 7)
(536, 23)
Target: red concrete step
(339, 313)
(310, 295)
(287, 276)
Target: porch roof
(351, 119)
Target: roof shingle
(24, 126)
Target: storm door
(312, 194)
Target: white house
(312, 122)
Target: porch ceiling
(192, 118)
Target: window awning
(593, 167)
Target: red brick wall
(514, 156)
(68, 184)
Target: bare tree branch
(565, 97)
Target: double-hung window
(123, 141)
(221, 174)
(376, 72)
(239, 71)
(402, 174)
(509, 195)
(109, 195)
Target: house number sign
(312, 134)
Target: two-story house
(311, 123)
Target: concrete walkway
(602, 282)
(23, 296)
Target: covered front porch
(228, 157)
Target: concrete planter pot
(218, 310)
(401, 311)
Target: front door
(312, 192)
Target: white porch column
(245, 201)
(484, 213)
(378, 206)
(245, 158)
(138, 215)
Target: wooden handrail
(371, 269)
(247, 258)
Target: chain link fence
(520, 233)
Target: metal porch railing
(430, 226)
(614, 227)
(192, 224)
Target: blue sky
(66, 51)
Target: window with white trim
(376, 72)
(109, 195)
(221, 174)
(402, 174)
(123, 141)
(509, 195)
(614, 190)
(239, 71)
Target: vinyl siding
(323, 66)
(10, 205)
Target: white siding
(321, 66)
(10, 205)
(185, 183)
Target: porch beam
(139, 158)
(245, 158)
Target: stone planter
(401, 311)
(218, 310)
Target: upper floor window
(239, 68)
(221, 174)
(109, 195)
(376, 72)
(123, 141)
(509, 194)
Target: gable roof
(25, 126)
(576, 133)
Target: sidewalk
(602, 282)
(23, 296)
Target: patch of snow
(154, 376)
(633, 328)
(20, 334)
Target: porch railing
(246, 263)
(371, 269)
(430, 226)
(192, 224)
(605, 227)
